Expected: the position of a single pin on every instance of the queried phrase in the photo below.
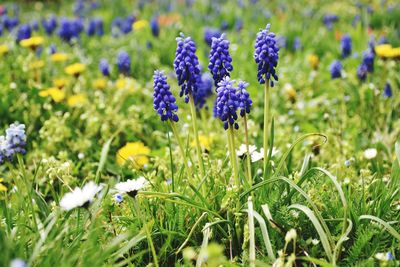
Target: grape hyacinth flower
(204, 90)
(104, 67)
(154, 26)
(368, 60)
(164, 101)
(387, 91)
(220, 64)
(266, 55)
(329, 19)
(187, 70)
(336, 69)
(124, 63)
(70, 29)
(49, 25)
(209, 34)
(91, 29)
(186, 66)
(24, 32)
(227, 103)
(243, 97)
(362, 72)
(13, 143)
(346, 46)
(10, 23)
(99, 27)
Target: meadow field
(199, 133)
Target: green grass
(342, 215)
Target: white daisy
(131, 187)
(256, 156)
(80, 197)
(370, 153)
(243, 150)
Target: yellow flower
(75, 69)
(135, 153)
(56, 94)
(313, 60)
(37, 64)
(59, 57)
(100, 83)
(125, 83)
(140, 24)
(383, 50)
(76, 100)
(205, 142)
(60, 82)
(3, 188)
(395, 52)
(32, 42)
(290, 92)
(4, 49)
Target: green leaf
(322, 235)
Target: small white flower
(81, 155)
(13, 85)
(315, 241)
(370, 153)
(290, 235)
(256, 156)
(80, 197)
(18, 263)
(384, 256)
(243, 150)
(131, 187)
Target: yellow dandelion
(32, 42)
(205, 142)
(395, 52)
(125, 83)
(75, 69)
(133, 153)
(55, 93)
(59, 57)
(4, 49)
(290, 92)
(99, 83)
(313, 60)
(140, 24)
(59, 82)
(38, 64)
(120, 83)
(383, 50)
(76, 100)
(3, 188)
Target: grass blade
(322, 235)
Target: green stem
(266, 126)
(149, 239)
(234, 157)
(196, 134)
(28, 188)
(181, 147)
(248, 157)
